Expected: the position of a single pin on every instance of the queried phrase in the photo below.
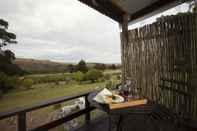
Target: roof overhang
(135, 9)
(106, 7)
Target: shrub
(27, 83)
(107, 76)
(11, 82)
(54, 78)
(100, 66)
(56, 82)
(78, 76)
(71, 68)
(3, 78)
(93, 75)
(7, 82)
(1, 93)
(118, 77)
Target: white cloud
(63, 30)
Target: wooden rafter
(114, 11)
(151, 8)
(107, 8)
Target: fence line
(162, 58)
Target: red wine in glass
(126, 94)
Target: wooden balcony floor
(132, 123)
(98, 124)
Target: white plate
(118, 99)
(100, 97)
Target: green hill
(34, 66)
(40, 66)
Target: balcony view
(98, 65)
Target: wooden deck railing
(21, 113)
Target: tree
(5, 36)
(7, 56)
(78, 76)
(71, 68)
(7, 82)
(113, 67)
(3, 79)
(81, 66)
(100, 66)
(93, 75)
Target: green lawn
(47, 91)
(21, 98)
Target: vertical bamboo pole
(124, 45)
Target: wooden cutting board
(130, 103)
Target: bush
(3, 78)
(50, 78)
(27, 83)
(11, 82)
(93, 75)
(71, 68)
(100, 66)
(7, 82)
(78, 76)
(118, 77)
(107, 76)
(1, 93)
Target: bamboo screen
(164, 54)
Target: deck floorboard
(131, 123)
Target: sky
(173, 11)
(63, 31)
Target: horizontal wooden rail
(39, 105)
(21, 113)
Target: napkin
(100, 97)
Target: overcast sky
(64, 30)
(61, 30)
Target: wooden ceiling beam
(112, 10)
(151, 8)
(107, 8)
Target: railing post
(87, 105)
(21, 122)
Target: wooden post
(22, 122)
(124, 43)
(87, 105)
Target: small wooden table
(122, 112)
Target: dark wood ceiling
(116, 12)
(106, 7)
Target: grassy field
(46, 91)
(40, 93)
(21, 98)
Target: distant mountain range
(40, 66)
(47, 66)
